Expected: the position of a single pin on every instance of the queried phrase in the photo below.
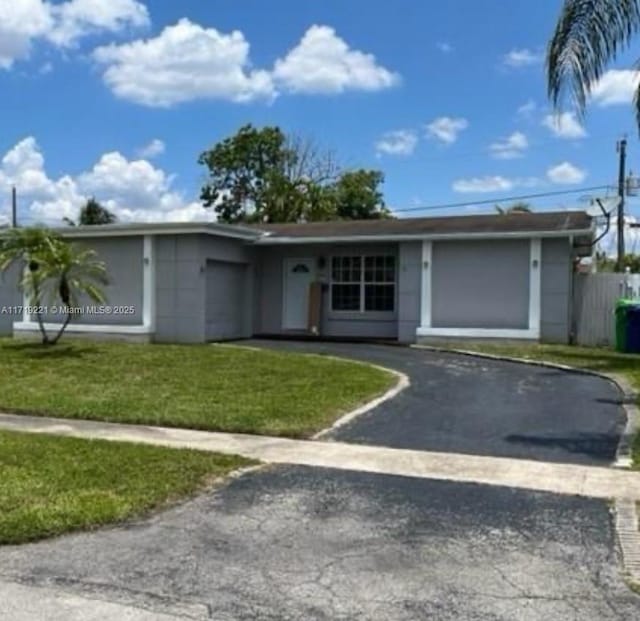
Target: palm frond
(589, 35)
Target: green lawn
(50, 485)
(201, 386)
(596, 359)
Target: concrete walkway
(587, 481)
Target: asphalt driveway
(290, 543)
(479, 406)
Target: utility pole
(14, 208)
(622, 151)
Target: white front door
(298, 275)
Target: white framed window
(363, 283)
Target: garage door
(226, 283)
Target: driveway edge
(628, 533)
(624, 458)
(402, 383)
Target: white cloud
(132, 189)
(152, 149)
(399, 142)
(483, 184)
(79, 18)
(566, 174)
(23, 22)
(510, 148)
(324, 63)
(494, 183)
(444, 47)
(184, 62)
(527, 109)
(523, 57)
(617, 86)
(564, 125)
(446, 129)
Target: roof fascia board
(274, 240)
(126, 232)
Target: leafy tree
(243, 170)
(263, 175)
(588, 36)
(358, 196)
(55, 271)
(93, 213)
(515, 208)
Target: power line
(493, 201)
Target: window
(363, 283)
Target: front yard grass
(210, 387)
(597, 359)
(51, 485)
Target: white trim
(139, 231)
(488, 333)
(427, 270)
(535, 286)
(26, 303)
(535, 298)
(275, 240)
(362, 283)
(28, 326)
(148, 283)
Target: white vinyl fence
(594, 304)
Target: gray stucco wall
(480, 284)
(409, 290)
(557, 280)
(9, 296)
(181, 283)
(123, 257)
(269, 292)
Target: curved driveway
(463, 404)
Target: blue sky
(116, 98)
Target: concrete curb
(628, 534)
(629, 396)
(402, 383)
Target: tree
(28, 247)
(358, 196)
(263, 175)
(515, 208)
(588, 36)
(55, 271)
(93, 213)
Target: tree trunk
(45, 336)
(62, 329)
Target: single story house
(414, 279)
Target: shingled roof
(543, 222)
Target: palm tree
(93, 213)
(70, 274)
(588, 36)
(28, 247)
(54, 270)
(515, 208)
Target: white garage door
(226, 283)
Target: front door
(298, 275)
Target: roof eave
(275, 240)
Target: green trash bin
(622, 321)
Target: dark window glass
(379, 297)
(345, 297)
